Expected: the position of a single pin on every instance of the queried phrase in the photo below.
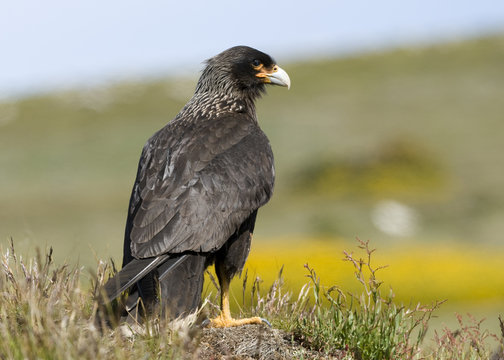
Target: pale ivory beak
(279, 77)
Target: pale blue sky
(59, 43)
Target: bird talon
(225, 321)
(266, 322)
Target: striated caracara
(200, 181)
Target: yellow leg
(225, 319)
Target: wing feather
(220, 171)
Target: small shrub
(370, 325)
(468, 342)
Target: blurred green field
(420, 129)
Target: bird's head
(241, 71)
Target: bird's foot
(222, 321)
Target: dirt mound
(252, 342)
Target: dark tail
(129, 275)
(180, 287)
(175, 282)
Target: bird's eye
(256, 63)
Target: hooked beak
(279, 77)
(275, 76)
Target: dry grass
(47, 313)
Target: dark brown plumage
(200, 181)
